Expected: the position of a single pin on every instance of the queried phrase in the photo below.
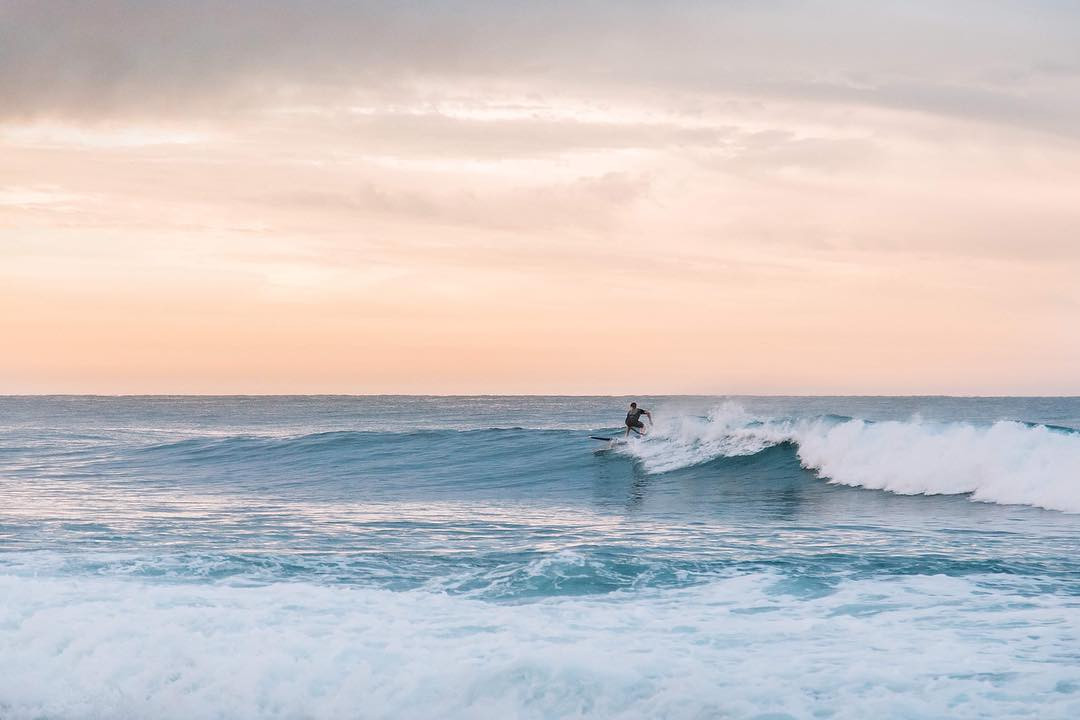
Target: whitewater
(482, 557)
(1005, 461)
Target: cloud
(767, 170)
(1011, 62)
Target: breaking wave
(1005, 462)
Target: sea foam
(739, 647)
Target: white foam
(1005, 462)
(678, 441)
(737, 647)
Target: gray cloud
(1007, 61)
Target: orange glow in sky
(494, 198)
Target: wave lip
(1006, 462)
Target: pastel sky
(588, 197)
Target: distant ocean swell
(1004, 462)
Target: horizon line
(527, 395)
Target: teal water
(391, 557)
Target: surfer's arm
(649, 415)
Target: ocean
(482, 557)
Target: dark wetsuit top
(633, 418)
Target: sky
(589, 197)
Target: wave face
(177, 557)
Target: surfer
(633, 419)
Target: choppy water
(402, 557)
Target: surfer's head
(633, 405)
